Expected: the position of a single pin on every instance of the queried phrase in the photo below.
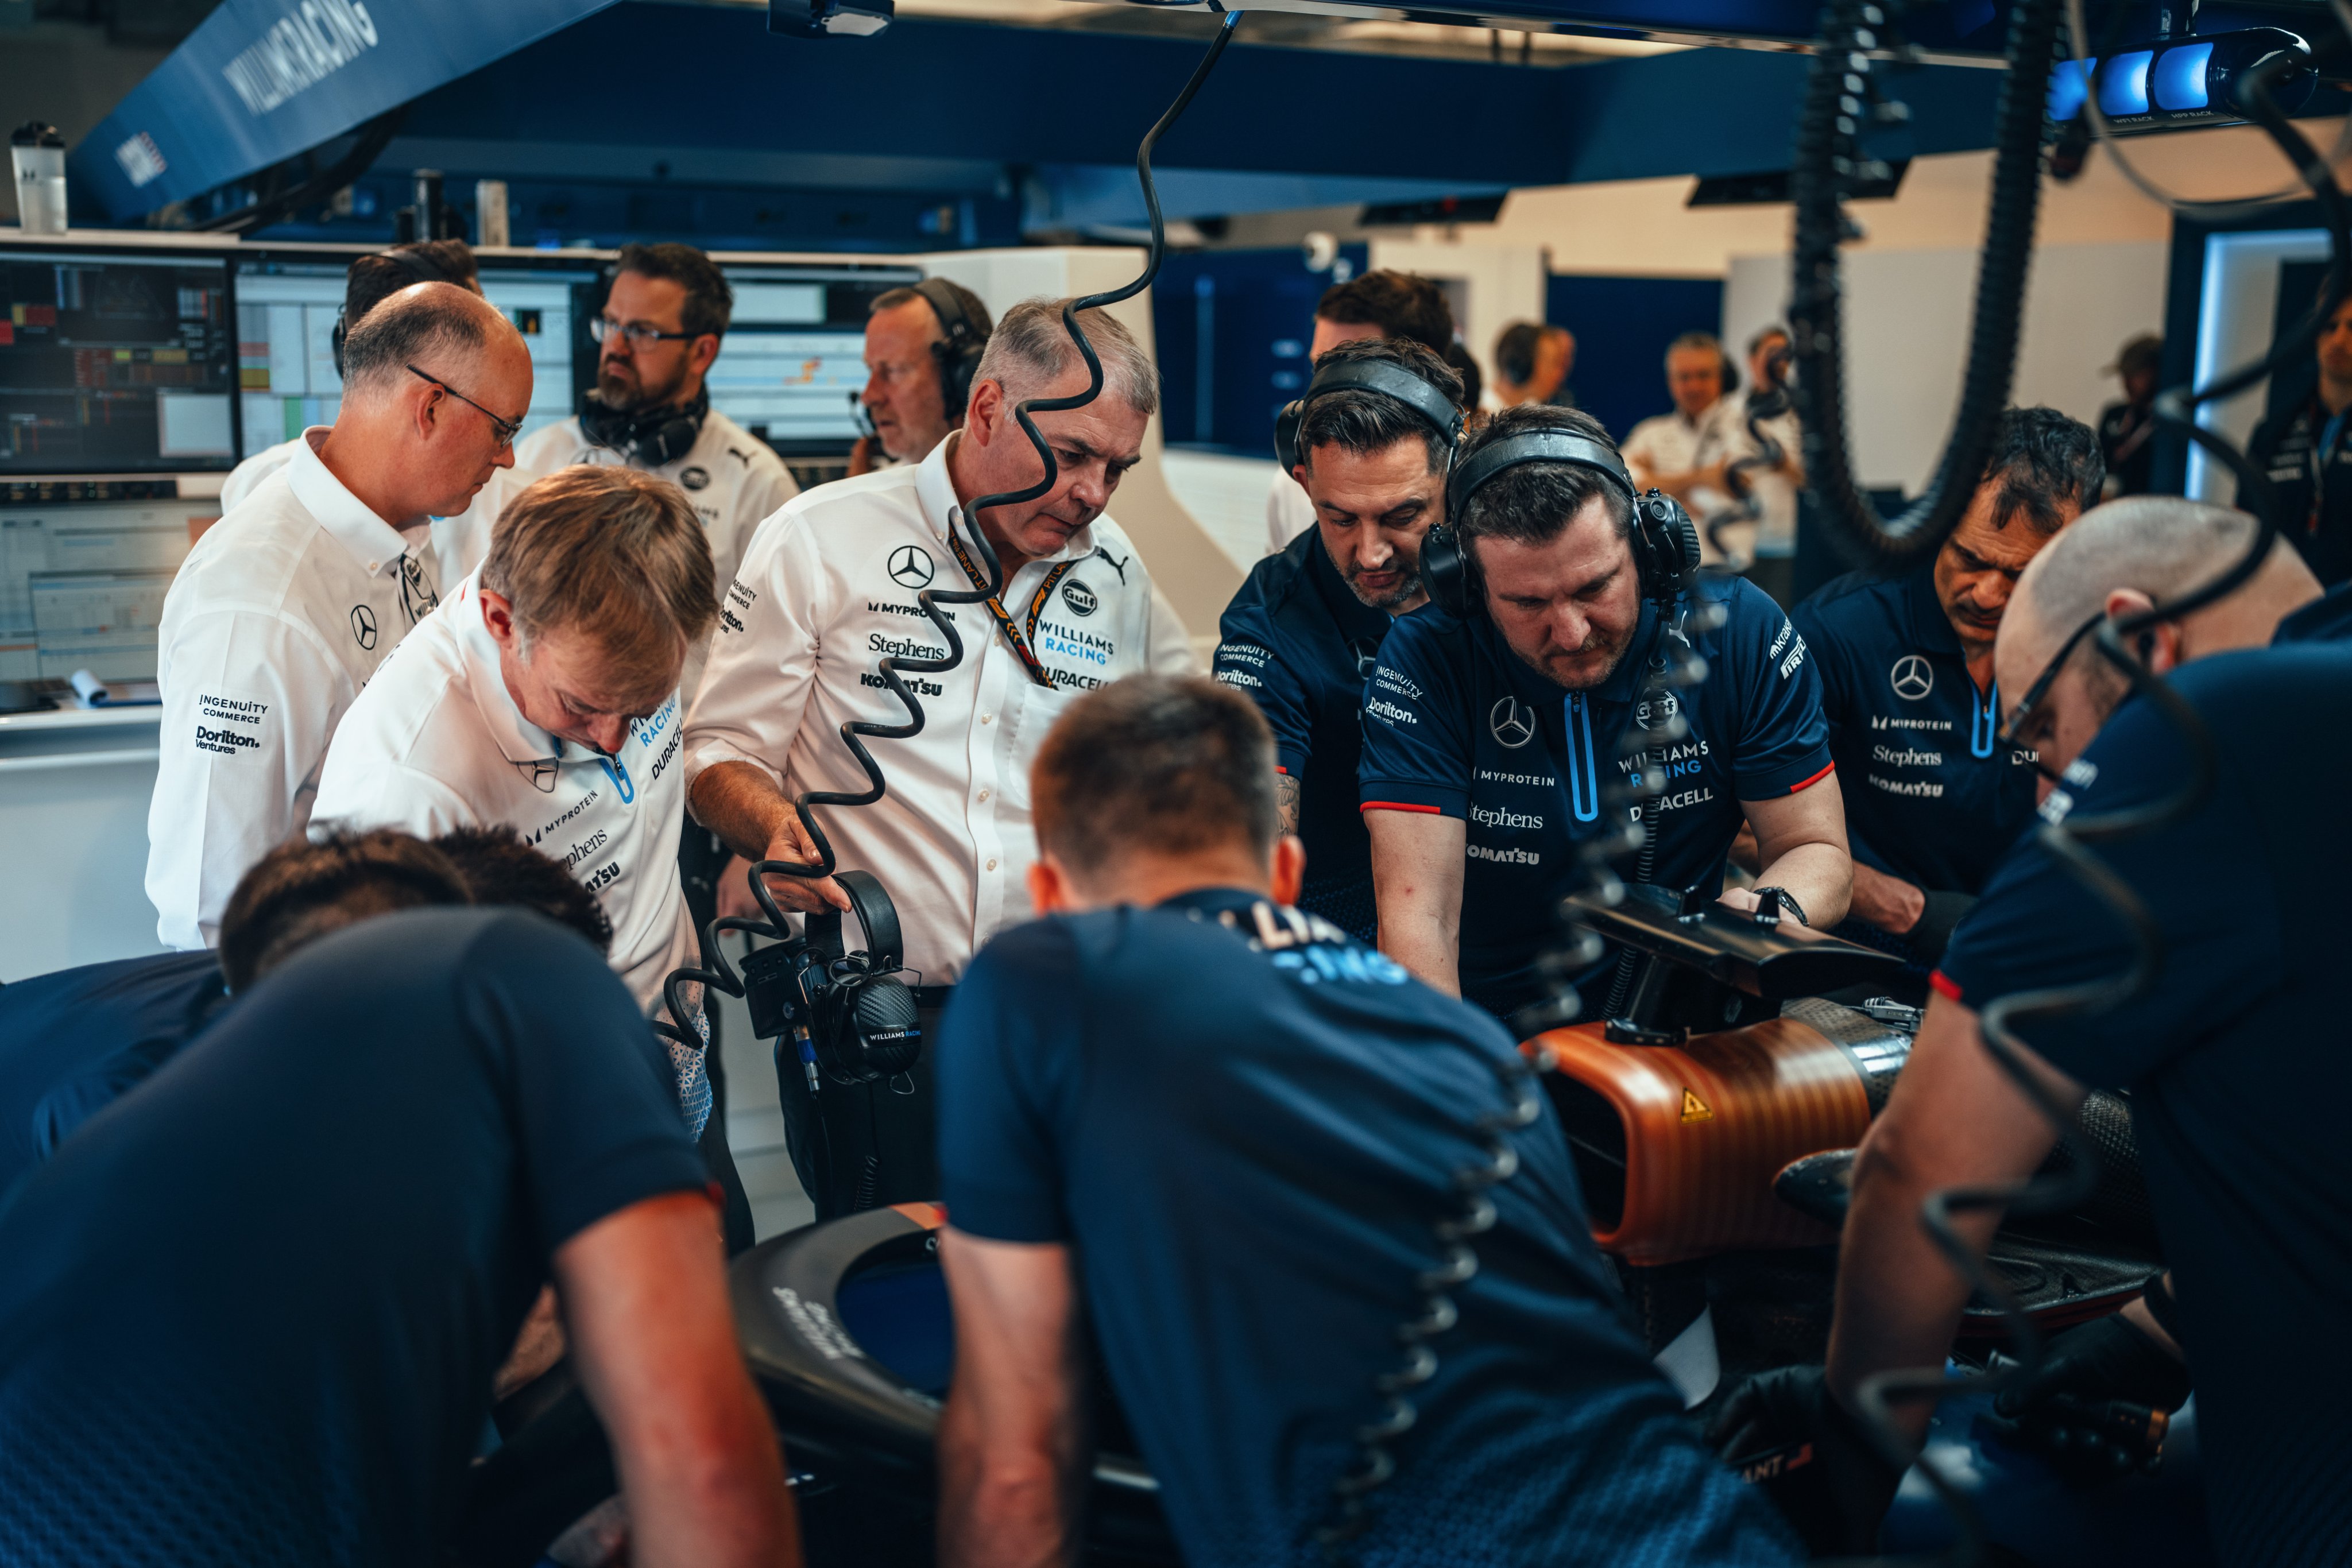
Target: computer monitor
(288, 302)
(82, 583)
(795, 352)
(114, 362)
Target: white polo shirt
(1288, 511)
(827, 588)
(1775, 489)
(459, 542)
(733, 480)
(435, 743)
(279, 615)
(1670, 443)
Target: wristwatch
(1788, 902)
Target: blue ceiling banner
(262, 81)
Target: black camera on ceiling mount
(2172, 83)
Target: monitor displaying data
(796, 353)
(114, 363)
(287, 306)
(82, 584)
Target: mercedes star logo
(363, 626)
(1913, 676)
(910, 567)
(1513, 724)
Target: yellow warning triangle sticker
(1695, 1109)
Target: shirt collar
(2326, 619)
(519, 740)
(935, 493)
(375, 544)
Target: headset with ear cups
(958, 354)
(1387, 377)
(655, 437)
(420, 268)
(1665, 542)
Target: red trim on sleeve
(1946, 987)
(1809, 783)
(1278, 768)
(1399, 806)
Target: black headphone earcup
(889, 1030)
(956, 366)
(1443, 571)
(1285, 435)
(1665, 541)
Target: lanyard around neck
(1014, 636)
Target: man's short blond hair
(609, 552)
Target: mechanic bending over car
(1303, 630)
(1227, 1127)
(288, 605)
(265, 1296)
(1490, 736)
(829, 588)
(2233, 1058)
(74, 1042)
(1907, 686)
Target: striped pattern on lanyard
(1013, 635)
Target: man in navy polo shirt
(1490, 740)
(1907, 687)
(1301, 635)
(2306, 448)
(1238, 1130)
(2241, 1028)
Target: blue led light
(2123, 83)
(2068, 88)
(2178, 80)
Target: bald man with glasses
(287, 605)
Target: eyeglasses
(2040, 689)
(506, 430)
(637, 333)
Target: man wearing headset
(2245, 1011)
(1385, 303)
(921, 346)
(831, 587)
(288, 604)
(1494, 722)
(1370, 442)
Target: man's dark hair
(709, 302)
(1532, 503)
(2043, 460)
(1514, 351)
(974, 310)
(1362, 422)
(1466, 365)
(438, 329)
(501, 869)
(372, 279)
(1165, 765)
(300, 892)
(1400, 303)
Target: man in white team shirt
(828, 589)
(288, 604)
(543, 698)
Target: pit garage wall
(1904, 362)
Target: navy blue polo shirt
(2307, 452)
(250, 1314)
(71, 1042)
(2235, 1060)
(1299, 642)
(1930, 795)
(1245, 1126)
(1455, 723)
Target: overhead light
(2170, 83)
(829, 18)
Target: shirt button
(984, 794)
(992, 864)
(988, 718)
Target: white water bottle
(40, 154)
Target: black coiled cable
(2071, 843)
(719, 972)
(1828, 155)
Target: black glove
(2095, 1407)
(1811, 1457)
(1932, 932)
